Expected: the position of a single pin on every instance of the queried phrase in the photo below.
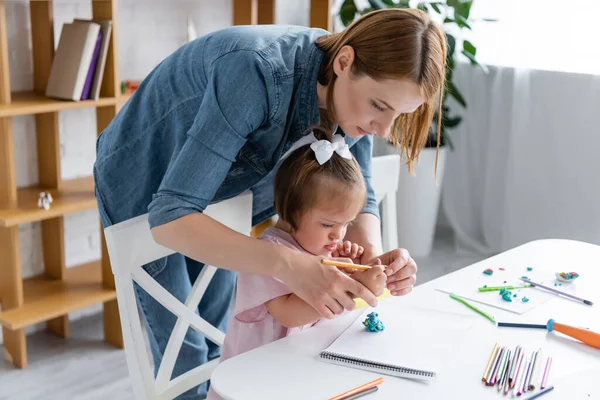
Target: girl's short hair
(301, 183)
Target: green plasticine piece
(524, 299)
(529, 269)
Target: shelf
(76, 195)
(24, 103)
(45, 299)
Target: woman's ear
(343, 60)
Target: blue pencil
(519, 325)
(543, 392)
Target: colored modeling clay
(373, 323)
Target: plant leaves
(348, 12)
(377, 4)
(389, 3)
(451, 44)
(453, 91)
(436, 7)
(461, 21)
(469, 48)
(463, 9)
(423, 7)
(451, 122)
(404, 4)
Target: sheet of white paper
(413, 337)
(469, 284)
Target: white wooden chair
(130, 246)
(385, 171)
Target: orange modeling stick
(588, 337)
(367, 385)
(341, 264)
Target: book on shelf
(79, 60)
(102, 52)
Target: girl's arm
(202, 238)
(291, 311)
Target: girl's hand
(350, 250)
(374, 278)
(400, 269)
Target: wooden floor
(82, 367)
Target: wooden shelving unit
(58, 291)
(51, 296)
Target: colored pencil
(491, 377)
(561, 293)
(488, 367)
(519, 325)
(472, 307)
(496, 288)
(546, 372)
(501, 366)
(543, 392)
(504, 372)
(363, 393)
(527, 372)
(341, 264)
(358, 389)
(517, 390)
(514, 366)
(531, 371)
(518, 369)
(535, 372)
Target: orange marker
(366, 386)
(588, 337)
(341, 264)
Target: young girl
(319, 191)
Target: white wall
(149, 30)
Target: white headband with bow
(324, 149)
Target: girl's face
(321, 228)
(364, 106)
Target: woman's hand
(324, 287)
(350, 250)
(400, 269)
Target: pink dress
(251, 325)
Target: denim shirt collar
(309, 104)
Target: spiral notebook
(417, 343)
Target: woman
(212, 121)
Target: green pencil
(495, 288)
(472, 307)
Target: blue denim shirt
(210, 122)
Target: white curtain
(526, 163)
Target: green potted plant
(417, 213)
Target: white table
(290, 369)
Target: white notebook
(416, 343)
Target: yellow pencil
(340, 264)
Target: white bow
(324, 149)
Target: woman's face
(364, 106)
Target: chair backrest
(385, 171)
(130, 246)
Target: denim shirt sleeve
(235, 103)
(362, 151)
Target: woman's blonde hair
(301, 183)
(395, 43)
